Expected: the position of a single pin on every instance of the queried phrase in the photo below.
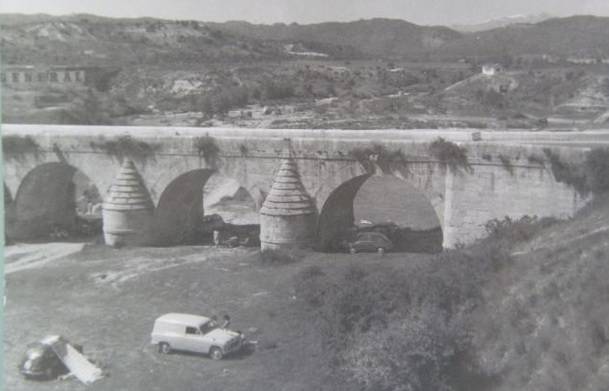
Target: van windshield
(208, 326)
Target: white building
(491, 69)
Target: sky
(427, 12)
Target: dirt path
(21, 257)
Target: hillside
(544, 325)
(384, 37)
(85, 39)
(585, 36)
(94, 39)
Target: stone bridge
(507, 173)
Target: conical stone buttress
(127, 209)
(287, 216)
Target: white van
(194, 333)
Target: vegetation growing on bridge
(592, 176)
(378, 155)
(536, 159)
(207, 148)
(450, 154)
(506, 162)
(243, 150)
(16, 147)
(126, 146)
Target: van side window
(192, 330)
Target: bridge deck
(581, 139)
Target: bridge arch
(51, 196)
(181, 206)
(382, 200)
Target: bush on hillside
(515, 231)
(401, 330)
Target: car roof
(372, 233)
(50, 339)
(179, 318)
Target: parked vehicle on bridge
(194, 333)
(370, 242)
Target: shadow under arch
(178, 217)
(395, 208)
(179, 209)
(46, 200)
(337, 213)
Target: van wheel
(164, 348)
(216, 353)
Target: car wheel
(381, 251)
(352, 250)
(164, 348)
(216, 354)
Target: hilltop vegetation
(89, 38)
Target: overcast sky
(445, 12)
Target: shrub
(450, 154)
(591, 176)
(15, 147)
(506, 162)
(387, 160)
(535, 159)
(515, 231)
(566, 173)
(405, 329)
(126, 146)
(276, 90)
(207, 147)
(597, 170)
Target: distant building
(582, 60)
(29, 74)
(491, 69)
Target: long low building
(25, 74)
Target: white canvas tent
(78, 364)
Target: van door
(193, 340)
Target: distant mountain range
(582, 36)
(380, 37)
(501, 22)
(94, 39)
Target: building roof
(288, 196)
